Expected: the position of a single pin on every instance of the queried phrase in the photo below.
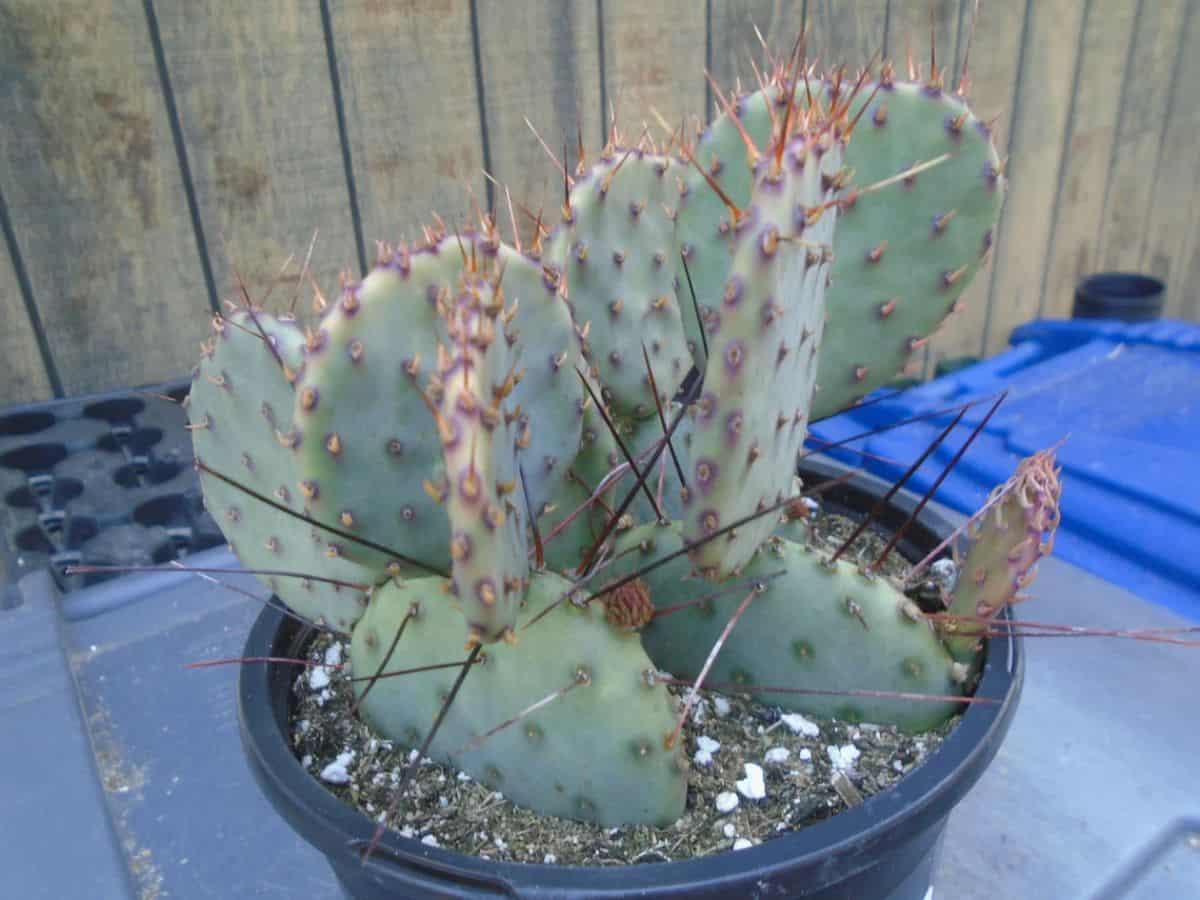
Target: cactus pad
(595, 752)
(240, 406)
(616, 248)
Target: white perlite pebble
(704, 742)
(721, 706)
(318, 678)
(333, 655)
(752, 787)
(707, 747)
(800, 725)
(727, 802)
(843, 757)
(549, 859)
(335, 772)
(730, 830)
(430, 841)
(777, 756)
(806, 754)
(742, 844)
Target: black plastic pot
(1126, 296)
(884, 848)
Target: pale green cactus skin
(438, 409)
(240, 406)
(1005, 541)
(596, 753)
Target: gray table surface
(122, 771)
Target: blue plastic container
(1126, 399)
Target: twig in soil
(900, 532)
(387, 657)
(694, 692)
(883, 501)
(415, 761)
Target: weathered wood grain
(734, 42)
(1147, 94)
(256, 111)
(1035, 159)
(992, 72)
(408, 83)
(846, 33)
(1108, 31)
(25, 378)
(654, 63)
(94, 192)
(909, 26)
(541, 60)
(1170, 231)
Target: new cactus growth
(438, 445)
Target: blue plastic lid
(1127, 400)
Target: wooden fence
(148, 146)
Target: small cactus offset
(543, 450)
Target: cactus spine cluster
(450, 448)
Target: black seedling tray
(100, 480)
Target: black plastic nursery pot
(886, 847)
(1127, 296)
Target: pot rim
(923, 796)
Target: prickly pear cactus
(905, 247)
(1006, 539)
(811, 626)
(240, 408)
(454, 434)
(595, 752)
(616, 247)
(764, 336)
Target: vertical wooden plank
(654, 62)
(1035, 149)
(992, 70)
(1108, 31)
(256, 112)
(1184, 297)
(1140, 132)
(909, 27)
(412, 111)
(846, 33)
(95, 194)
(541, 60)
(25, 379)
(1168, 233)
(734, 43)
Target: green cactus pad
(240, 403)
(548, 350)
(764, 336)
(595, 753)
(480, 432)
(815, 627)
(617, 250)
(902, 255)
(1007, 538)
(366, 441)
(358, 393)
